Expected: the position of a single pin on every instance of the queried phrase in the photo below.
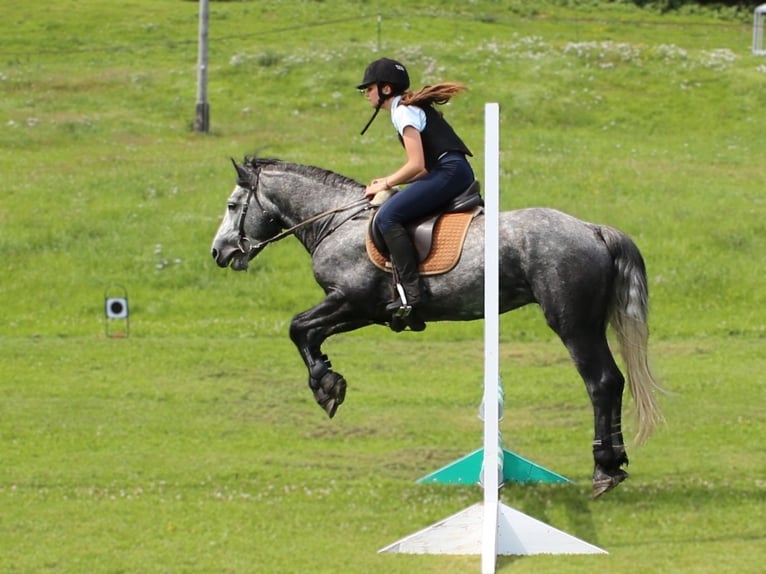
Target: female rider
(436, 167)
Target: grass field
(194, 445)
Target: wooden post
(202, 116)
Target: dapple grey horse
(584, 276)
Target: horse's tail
(628, 315)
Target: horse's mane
(325, 176)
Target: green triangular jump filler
(467, 470)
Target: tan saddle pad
(447, 245)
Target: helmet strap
(381, 98)
(372, 119)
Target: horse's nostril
(215, 253)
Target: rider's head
(389, 77)
(386, 72)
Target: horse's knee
(297, 333)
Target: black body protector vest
(438, 138)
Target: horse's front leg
(308, 330)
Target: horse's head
(246, 223)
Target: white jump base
(517, 535)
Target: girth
(421, 230)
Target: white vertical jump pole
(493, 458)
(759, 14)
(490, 528)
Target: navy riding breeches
(451, 176)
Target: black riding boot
(406, 272)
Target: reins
(252, 187)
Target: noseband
(251, 184)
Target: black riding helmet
(384, 71)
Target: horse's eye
(231, 206)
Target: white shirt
(403, 116)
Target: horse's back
(544, 235)
(554, 259)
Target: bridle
(245, 245)
(251, 185)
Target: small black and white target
(116, 307)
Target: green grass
(194, 444)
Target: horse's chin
(231, 257)
(240, 262)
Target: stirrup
(402, 308)
(403, 311)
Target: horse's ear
(242, 174)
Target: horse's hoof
(603, 482)
(330, 392)
(330, 407)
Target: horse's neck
(298, 197)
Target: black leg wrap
(320, 368)
(603, 455)
(329, 391)
(609, 456)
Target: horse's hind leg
(308, 330)
(605, 384)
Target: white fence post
(758, 23)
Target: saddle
(438, 238)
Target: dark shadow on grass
(670, 492)
(538, 500)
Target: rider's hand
(375, 187)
